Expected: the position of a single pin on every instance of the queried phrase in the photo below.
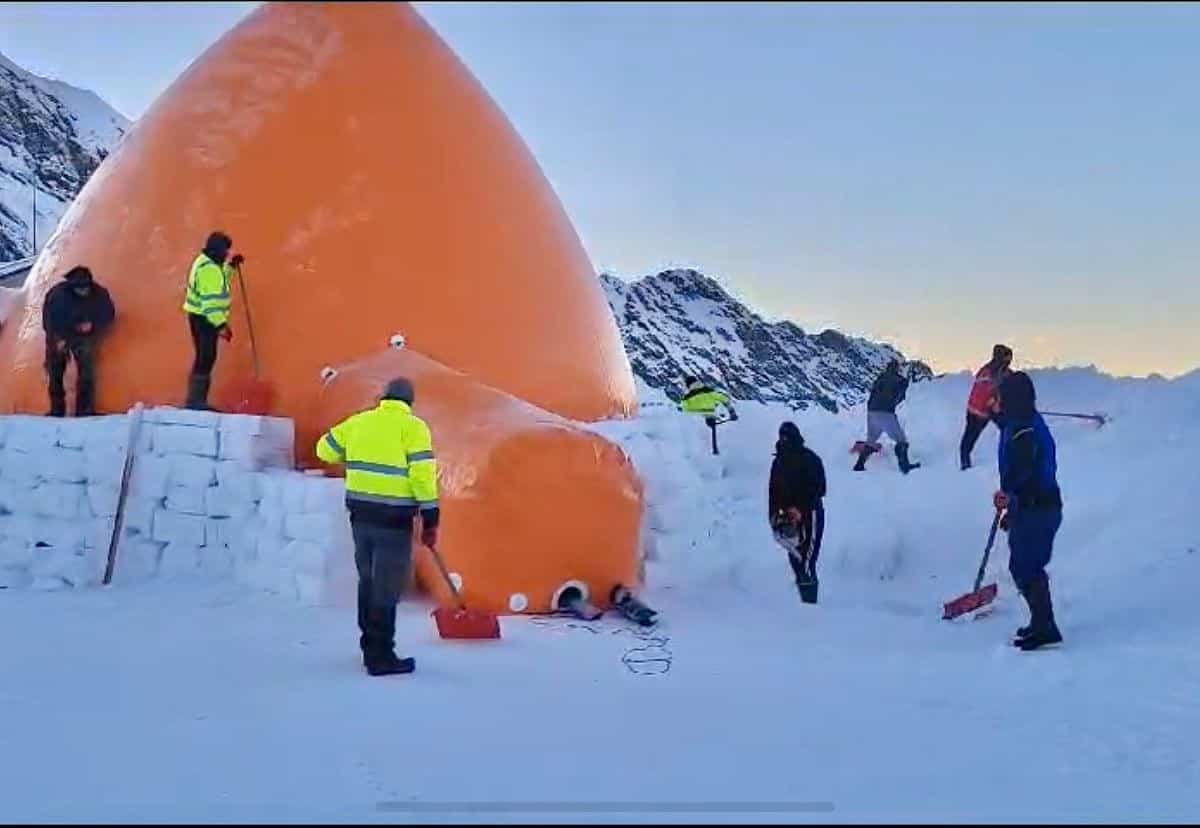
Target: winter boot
(197, 396)
(1043, 631)
(58, 405)
(390, 665)
(808, 591)
(866, 451)
(902, 457)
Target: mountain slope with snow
(205, 702)
(53, 134)
(682, 322)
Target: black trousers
(382, 556)
(83, 349)
(974, 428)
(204, 338)
(808, 546)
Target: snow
(212, 699)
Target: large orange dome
(374, 188)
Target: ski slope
(194, 701)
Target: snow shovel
(1098, 419)
(460, 622)
(977, 597)
(253, 396)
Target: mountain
(55, 134)
(681, 322)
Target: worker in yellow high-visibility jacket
(704, 400)
(391, 477)
(207, 302)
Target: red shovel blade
(969, 602)
(466, 623)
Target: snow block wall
(209, 496)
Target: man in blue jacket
(1030, 495)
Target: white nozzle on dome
(397, 341)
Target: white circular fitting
(566, 588)
(457, 580)
(397, 341)
(518, 602)
(328, 373)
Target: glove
(429, 536)
(226, 333)
(237, 260)
(794, 514)
(60, 345)
(1004, 522)
(1000, 501)
(84, 327)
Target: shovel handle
(987, 550)
(446, 576)
(249, 321)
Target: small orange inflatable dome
(375, 189)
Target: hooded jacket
(797, 475)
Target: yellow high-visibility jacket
(208, 290)
(391, 470)
(700, 399)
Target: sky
(938, 176)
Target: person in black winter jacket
(887, 392)
(75, 314)
(795, 507)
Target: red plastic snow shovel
(250, 396)
(460, 622)
(977, 597)
(859, 445)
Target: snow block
(15, 578)
(62, 465)
(31, 435)
(273, 518)
(310, 589)
(102, 499)
(305, 557)
(318, 529)
(150, 476)
(137, 561)
(18, 468)
(106, 434)
(15, 553)
(237, 482)
(72, 432)
(59, 500)
(182, 439)
(324, 495)
(59, 534)
(167, 415)
(186, 500)
(139, 515)
(22, 527)
(97, 534)
(104, 464)
(192, 471)
(215, 562)
(219, 502)
(179, 560)
(178, 529)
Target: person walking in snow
(795, 507)
(207, 303)
(982, 401)
(75, 314)
(1032, 502)
(887, 392)
(391, 477)
(704, 400)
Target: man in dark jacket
(982, 401)
(887, 392)
(75, 314)
(795, 508)
(1030, 495)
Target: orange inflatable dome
(374, 189)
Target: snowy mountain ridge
(52, 134)
(681, 321)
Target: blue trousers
(1030, 542)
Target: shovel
(977, 597)
(460, 622)
(254, 396)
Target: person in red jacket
(981, 404)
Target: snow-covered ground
(209, 701)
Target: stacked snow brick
(210, 496)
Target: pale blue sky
(941, 176)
